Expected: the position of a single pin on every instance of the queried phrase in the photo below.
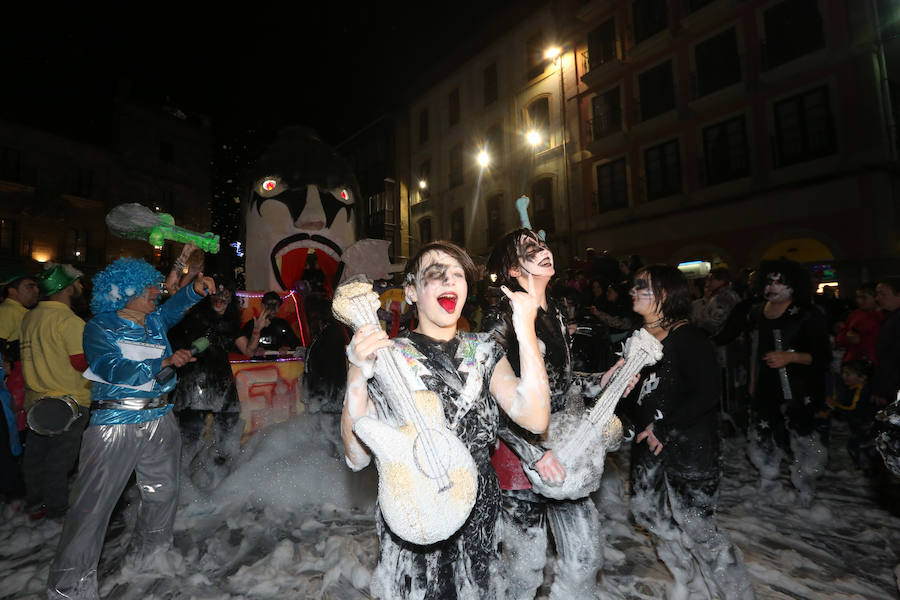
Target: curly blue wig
(120, 282)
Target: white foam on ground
(293, 521)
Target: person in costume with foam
(132, 428)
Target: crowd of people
(508, 349)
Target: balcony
(605, 124)
(597, 71)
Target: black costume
(466, 565)
(782, 419)
(207, 386)
(575, 523)
(274, 336)
(674, 494)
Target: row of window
(490, 89)
(804, 130)
(540, 213)
(74, 246)
(792, 28)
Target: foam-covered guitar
(427, 480)
(581, 439)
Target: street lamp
(555, 54)
(423, 184)
(483, 159)
(533, 137)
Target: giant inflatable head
(300, 198)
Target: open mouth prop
(288, 258)
(448, 302)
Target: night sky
(334, 66)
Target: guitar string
(618, 385)
(411, 412)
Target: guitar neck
(617, 385)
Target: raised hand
(524, 304)
(364, 345)
(204, 285)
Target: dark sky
(333, 66)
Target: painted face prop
(776, 290)
(301, 197)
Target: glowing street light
(423, 184)
(533, 137)
(483, 158)
(552, 53)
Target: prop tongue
(448, 304)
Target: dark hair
(506, 255)
(271, 297)
(794, 275)
(891, 282)
(867, 288)
(669, 281)
(413, 264)
(860, 366)
(720, 274)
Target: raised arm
(525, 399)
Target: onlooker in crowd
(132, 429)
(266, 331)
(859, 332)
(710, 312)
(22, 294)
(788, 372)
(886, 381)
(854, 402)
(206, 387)
(53, 361)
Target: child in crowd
(853, 401)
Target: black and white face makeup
(643, 300)
(439, 290)
(535, 257)
(776, 290)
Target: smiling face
(535, 258)
(439, 291)
(301, 198)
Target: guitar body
(427, 480)
(583, 469)
(580, 439)
(418, 503)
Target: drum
(52, 415)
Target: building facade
(722, 130)
(732, 131)
(55, 191)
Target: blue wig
(121, 282)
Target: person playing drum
(52, 362)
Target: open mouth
(288, 258)
(448, 302)
(546, 263)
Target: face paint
(776, 290)
(640, 288)
(302, 197)
(441, 289)
(534, 256)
